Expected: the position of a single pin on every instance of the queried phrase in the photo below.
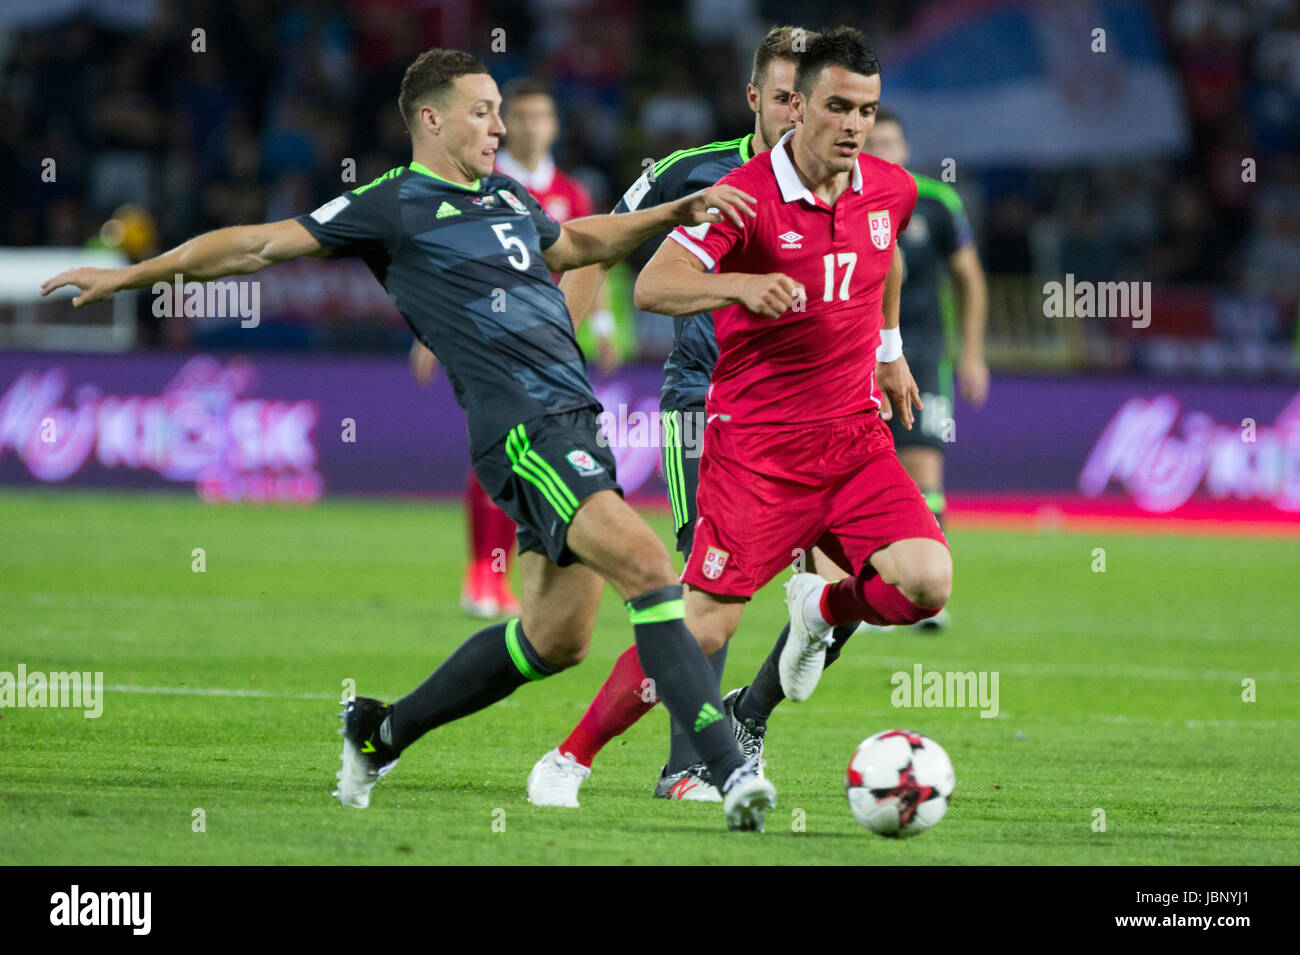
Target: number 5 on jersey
(510, 242)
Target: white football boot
(555, 780)
(804, 655)
(366, 757)
(746, 797)
(691, 784)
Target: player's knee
(567, 655)
(561, 639)
(561, 649)
(710, 638)
(929, 584)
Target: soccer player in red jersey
(796, 456)
(530, 115)
(531, 118)
(795, 452)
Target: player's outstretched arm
(236, 250)
(609, 238)
(674, 282)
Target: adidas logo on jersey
(791, 240)
(447, 209)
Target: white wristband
(602, 323)
(891, 345)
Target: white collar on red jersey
(539, 180)
(792, 186)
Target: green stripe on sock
(935, 501)
(659, 613)
(517, 652)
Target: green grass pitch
(1119, 691)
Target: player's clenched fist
(714, 203)
(771, 295)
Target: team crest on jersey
(512, 201)
(583, 462)
(714, 562)
(878, 225)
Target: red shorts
(767, 496)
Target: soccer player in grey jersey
(465, 254)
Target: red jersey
(562, 196)
(816, 364)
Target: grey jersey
(695, 348)
(464, 266)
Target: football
(899, 783)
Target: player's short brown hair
(429, 77)
(781, 43)
(844, 47)
(524, 86)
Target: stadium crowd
(258, 125)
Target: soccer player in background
(558, 775)
(938, 236)
(467, 255)
(797, 455)
(530, 115)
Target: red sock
(873, 601)
(490, 528)
(617, 705)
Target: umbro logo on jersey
(447, 209)
(791, 240)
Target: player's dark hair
(843, 47)
(524, 86)
(781, 43)
(886, 115)
(429, 77)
